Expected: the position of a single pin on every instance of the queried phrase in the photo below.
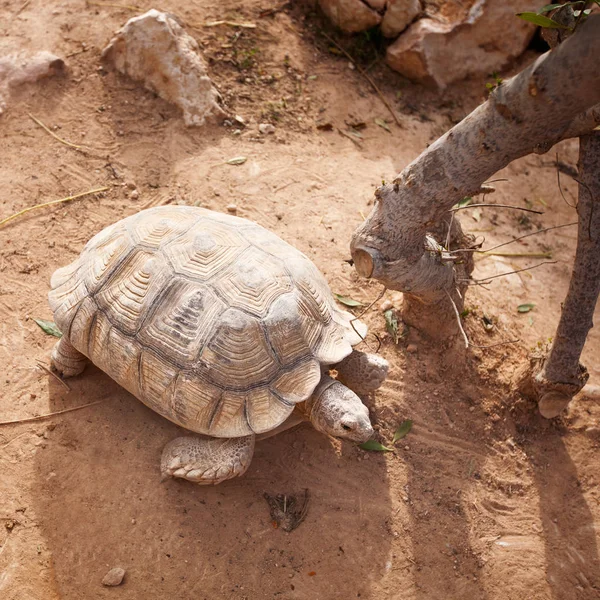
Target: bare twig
(61, 200)
(41, 365)
(77, 147)
(559, 187)
(52, 414)
(367, 77)
(485, 279)
(383, 291)
(515, 240)
(519, 254)
(22, 8)
(111, 5)
(350, 137)
(245, 25)
(458, 319)
(496, 344)
(455, 208)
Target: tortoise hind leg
(66, 360)
(206, 461)
(362, 372)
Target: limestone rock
(350, 15)
(155, 50)
(17, 69)
(399, 15)
(114, 577)
(444, 52)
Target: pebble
(232, 208)
(114, 577)
(412, 348)
(386, 305)
(266, 128)
(134, 195)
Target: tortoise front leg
(362, 372)
(206, 461)
(66, 360)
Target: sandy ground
(482, 500)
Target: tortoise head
(336, 410)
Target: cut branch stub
(539, 107)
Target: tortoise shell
(209, 319)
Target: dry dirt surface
(483, 499)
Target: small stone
(131, 185)
(266, 128)
(232, 208)
(386, 305)
(412, 348)
(134, 195)
(351, 66)
(114, 577)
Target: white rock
(444, 52)
(399, 15)
(155, 50)
(17, 69)
(266, 128)
(114, 577)
(350, 15)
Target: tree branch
(539, 106)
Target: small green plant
(490, 87)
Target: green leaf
(525, 308)
(540, 20)
(382, 124)
(348, 301)
(464, 202)
(238, 160)
(49, 327)
(402, 430)
(391, 323)
(550, 7)
(376, 446)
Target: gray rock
(155, 50)
(17, 69)
(114, 577)
(399, 15)
(350, 15)
(443, 52)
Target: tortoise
(218, 325)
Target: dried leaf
(376, 446)
(348, 301)
(391, 323)
(488, 324)
(49, 327)
(402, 430)
(540, 20)
(238, 160)
(383, 124)
(476, 215)
(525, 308)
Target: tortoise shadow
(101, 504)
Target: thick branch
(562, 376)
(536, 108)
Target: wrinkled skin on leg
(67, 361)
(362, 372)
(206, 461)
